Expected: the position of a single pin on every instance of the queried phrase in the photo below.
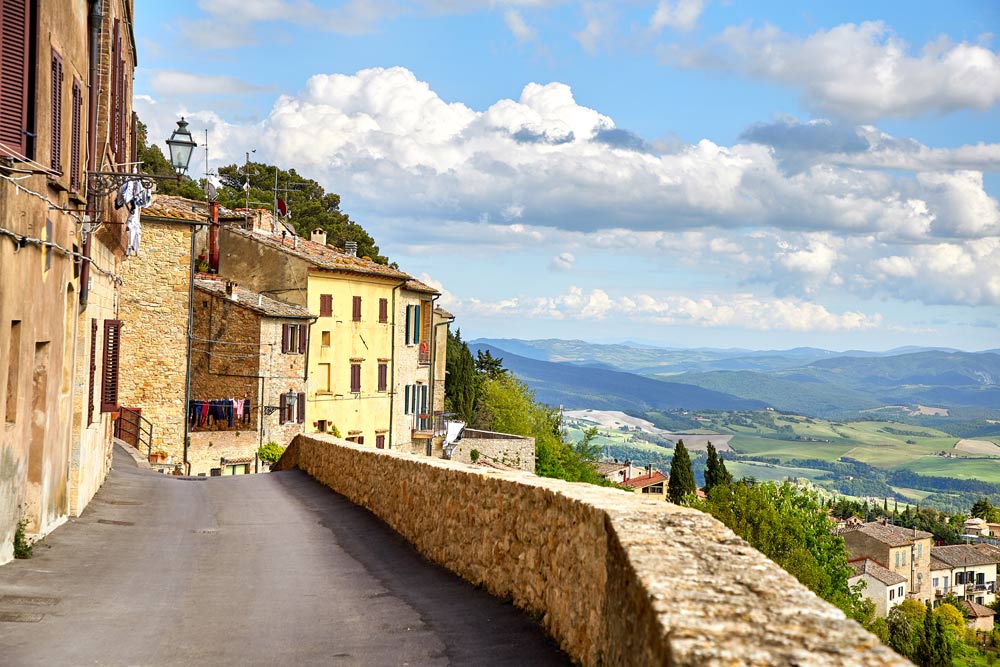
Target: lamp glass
(181, 145)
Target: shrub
(22, 547)
(270, 452)
(474, 455)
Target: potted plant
(159, 456)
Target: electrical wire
(40, 196)
(20, 240)
(24, 158)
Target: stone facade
(903, 551)
(614, 578)
(54, 453)
(510, 450)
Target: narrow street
(247, 570)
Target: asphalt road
(250, 570)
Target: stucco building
(968, 571)
(904, 551)
(883, 587)
(64, 115)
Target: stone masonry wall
(616, 579)
(514, 451)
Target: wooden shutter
(93, 370)
(303, 333)
(55, 151)
(109, 373)
(416, 324)
(406, 399)
(300, 415)
(116, 101)
(357, 309)
(355, 378)
(15, 25)
(133, 139)
(285, 337)
(383, 373)
(380, 441)
(325, 305)
(409, 319)
(383, 310)
(75, 131)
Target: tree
(681, 482)
(902, 632)
(715, 470)
(460, 381)
(981, 508)
(488, 365)
(587, 448)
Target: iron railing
(134, 429)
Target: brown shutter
(355, 378)
(357, 309)
(116, 50)
(380, 441)
(383, 310)
(285, 328)
(382, 376)
(301, 412)
(55, 150)
(93, 370)
(109, 375)
(74, 149)
(15, 24)
(133, 140)
(325, 305)
(303, 333)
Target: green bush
(270, 452)
(22, 547)
(474, 455)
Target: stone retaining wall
(511, 450)
(614, 578)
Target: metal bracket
(103, 183)
(270, 409)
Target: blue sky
(688, 172)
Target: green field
(768, 472)
(987, 470)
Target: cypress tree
(711, 469)
(681, 481)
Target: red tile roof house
(882, 586)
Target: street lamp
(181, 145)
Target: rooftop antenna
(210, 190)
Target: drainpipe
(187, 372)
(434, 356)
(392, 365)
(96, 18)
(213, 238)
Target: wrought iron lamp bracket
(103, 183)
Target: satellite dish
(282, 207)
(211, 192)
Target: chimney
(213, 238)
(295, 242)
(351, 248)
(319, 236)
(231, 290)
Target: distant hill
(574, 386)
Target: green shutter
(416, 324)
(406, 401)
(409, 315)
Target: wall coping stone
(615, 578)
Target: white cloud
(518, 27)
(171, 83)
(563, 261)
(858, 71)
(743, 311)
(598, 20)
(677, 14)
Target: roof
(645, 480)
(938, 564)
(177, 208)
(415, 285)
(893, 536)
(977, 610)
(322, 256)
(876, 572)
(960, 555)
(605, 467)
(444, 314)
(252, 300)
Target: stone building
(64, 117)
(240, 352)
(904, 551)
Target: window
(55, 150)
(356, 314)
(904, 558)
(383, 310)
(383, 376)
(300, 407)
(920, 549)
(412, 325)
(109, 373)
(325, 305)
(13, 370)
(293, 338)
(935, 581)
(892, 593)
(900, 594)
(323, 379)
(15, 66)
(355, 378)
(325, 339)
(75, 130)
(897, 559)
(380, 441)
(321, 426)
(93, 370)
(424, 320)
(238, 469)
(288, 403)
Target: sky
(688, 173)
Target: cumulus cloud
(544, 169)
(739, 310)
(857, 71)
(677, 14)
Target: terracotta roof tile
(977, 610)
(323, 257)
(893, 536)
(959, 555)
(876, 571)
(645, 480)
(415, 285)
(177, 208)
(253, 301)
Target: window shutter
(116, 101)
(409, 317)
(15, 24)
(133, 139)
(357, 309)
(74, 148)
(93, 370)
(382, 376)
(355, 378)
(303, 332)
(300, 416)
(383, 310)
(380, 441)
(406, 400)
(285, 328)
(55, 150)
(416, 324)
(423, 400)
(325, 305)
(109, 375)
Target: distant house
(883, 587)
(979, 617)
(653, 483)
(905, 551)
(967, 570)
(613, 471)
(975, 526)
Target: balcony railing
(429, 425)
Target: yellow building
(364, 349)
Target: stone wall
(614, 578)
(510, 450)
